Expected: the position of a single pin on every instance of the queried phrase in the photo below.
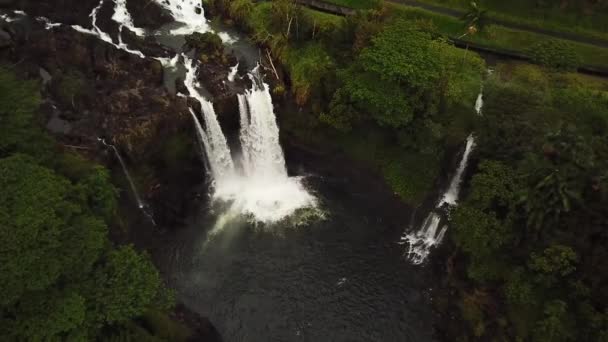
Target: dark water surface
(338, 279)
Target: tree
(555, 326)
(475, 19)
(123, 287)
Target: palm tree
(475, 19)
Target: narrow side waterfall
(233, 71)
(451, 196)
(421, 241)
(140, 204)
(138, 200)
(479, 102)
(429, 235)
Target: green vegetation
(496, 36)
(387, 89)
(60, 276)
(530, 227)
(586, 18)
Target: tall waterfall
(479, 102)
(451, 196)
(261, 187)
(429, 235)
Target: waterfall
(189, 13)
(429, 235)
(421, 241)
(479, 102)
(138, 200)
(451, 196)
(215, 143)
(260, 188)
(233, 71)
(140, 204)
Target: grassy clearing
(594, 24)
(494, 35)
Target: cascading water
(233, 71)
(421, 241)
(262, 188)
(451, 196)
(214, 141)
(138, 200)
(479, 102)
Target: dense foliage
(533, 226)
(60, 276)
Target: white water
(140, 204)
(233, 72)
(260, 188)
(429, 235)
(479, 103)
(451, 196)
(189, 13)
(214, 141)
(123, 17)
(421, 241)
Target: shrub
(555, 54)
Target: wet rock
(148, 14)
(5, 39)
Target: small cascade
(421, 241)
(451, 196)
(189, 13)
(233, 71)
(138, 200)
(122, 16)
(140, 204)
(479, 102)
(429, 235)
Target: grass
(355, 4)
(554, 18)
(496, 36)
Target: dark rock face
(148, 14)
(96, 90)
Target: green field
(495, 36)
(592, 24)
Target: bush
(207, 42)
(555, 54)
